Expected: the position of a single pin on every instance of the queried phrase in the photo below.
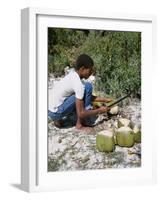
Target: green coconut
(124, 122)
(105, 141)
(115, 139)
(114, 110)
(125, 136)
(137, 134)
(96, 104)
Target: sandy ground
(69, 149)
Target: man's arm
(101, 99)
(82, 113)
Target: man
(71, 95)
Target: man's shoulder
(73, 75)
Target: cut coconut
(114, 110)
(105, 141)
(125, 137)
(124, 122)
(137, 134)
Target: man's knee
(88, 87)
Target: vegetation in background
(116, 54)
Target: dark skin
(81, 112)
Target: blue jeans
(68, 106)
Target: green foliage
(117, 56)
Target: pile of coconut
(126, 135)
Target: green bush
(117, 56)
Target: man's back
(70, 84)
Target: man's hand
(101, 99)
(103, 109)
(108, 100)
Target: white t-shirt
(69, 85)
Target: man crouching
(71, 95)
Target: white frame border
(29, 142)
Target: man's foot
(84, 128)
(58, 123)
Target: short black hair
(85, 61)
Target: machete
(118, 100)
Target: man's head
(84, 66)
